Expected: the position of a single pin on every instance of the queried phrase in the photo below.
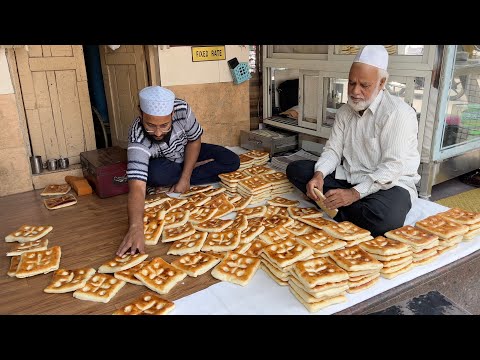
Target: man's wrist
(356, 194)
(135, 226)
(319, 174)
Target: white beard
(363, 104)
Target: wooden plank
(35, 131)
(152, 65)
(35, 51)
(120, 59)
(129, 48)
(19, 99)
(141, 68)
(45, 114)
(70, 109)
(61, 50)
(46, 51)
(57, 114)
(52, 63)
(126, 88)
(49, 134)
(88, 236)
(26, 80)
(80, 62)
(41, 89)
(87, 119)
(109, 86)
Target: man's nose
(158, 132)
(356, 90)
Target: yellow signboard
(208, 53)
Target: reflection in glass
(335, 92)
(391, 49)
(462, 120)
(301, 49)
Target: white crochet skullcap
(375, 55)
(156, 100)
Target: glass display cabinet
(453, 128)
(304, 85)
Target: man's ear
(382, 83)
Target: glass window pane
(301, 49)
(462, 120)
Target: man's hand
(182, 186)
(133, 240)
(336, 198)
(315, 182)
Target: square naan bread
(196, 264)
(236, 268)
(120, 263)
(128, 275)
(355, 259)
(286, 252)
(147, 304)
(39, 262)
(188, 245)
(64, 280)
(28, 233)
(99, 288)
(160, 276)
(19, 249)
(55, 190)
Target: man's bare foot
(200, 163)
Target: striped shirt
(185, 128)
(375, 151)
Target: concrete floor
(458, 281)
(449, 188)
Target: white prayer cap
(375, 55)
(156, 100)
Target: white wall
(6, 86)
(177, 67)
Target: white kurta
(378, 149)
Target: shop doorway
(115, 75)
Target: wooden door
(124, 74)
(57, 104)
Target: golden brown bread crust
(99, 288)
(236, 268)
(27, 233)
(196, 264)
(147, 304)
(39, 262)
(20, 248)
(160, 276)
(441, 227)
(345, 230)
(123, 262)
(64, 280)
(56, 190)
(355, 259)
(384, 246)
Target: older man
(368, 168)
(165, 149)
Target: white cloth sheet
(264, 296)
